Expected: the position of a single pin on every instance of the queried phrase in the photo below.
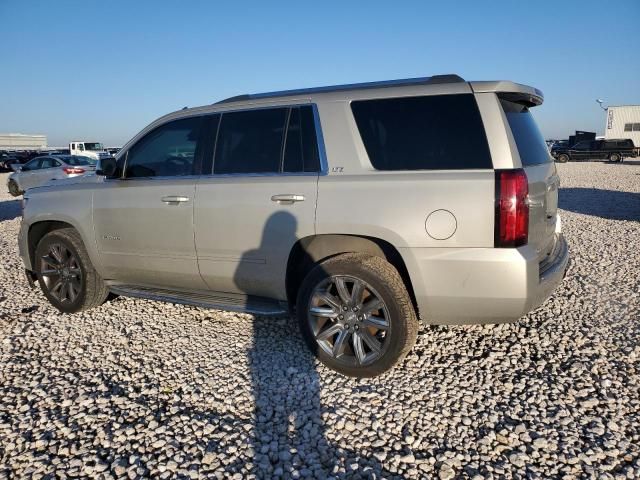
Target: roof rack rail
(435, 79)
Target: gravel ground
(138, 388)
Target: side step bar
(221, 301)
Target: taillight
(512, 210)
(70, 170)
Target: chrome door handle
(174, 199)
(287, 198)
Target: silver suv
(363, 208)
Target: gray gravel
(137, 388)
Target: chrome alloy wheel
(61, 273)
(349, 320)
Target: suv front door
(259, 200)
(144, 220)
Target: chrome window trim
(322, 153)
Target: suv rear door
(541, 174)
(258, 199)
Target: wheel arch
(309, 251)
(38, 230)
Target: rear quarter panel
(354, 198)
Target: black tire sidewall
(47, 240)
(13, 188)
(563, 158)
(398, 331)
(614, 157)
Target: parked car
(6, 159)
(612, 150)
(41, 170)
(559, 145)
(363, 208)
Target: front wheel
(356, 315)
(65, 273)
(563, 158)
(615, 157)
(14, 190)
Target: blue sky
(102, 70)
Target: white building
(20, 141)
(623, 121)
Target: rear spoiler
(511, 91)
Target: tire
(61, 258)
(615, 157)
(14, 190)
(366, 345)
(562, 158)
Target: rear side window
(530, 142)
(250, 141)
(443, 132)
(301, 147)
(272, 140)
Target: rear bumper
(483, 285)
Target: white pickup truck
(93, 150)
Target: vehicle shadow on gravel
(289, 438)
(610, 204)
(9, 209)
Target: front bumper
(483, 285)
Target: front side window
(167, 151)
(250, 141)
(33, 164)
(440, 132)
(582, 146)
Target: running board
(221, 301)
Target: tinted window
(628, 127)
(250, 141)
(582, 146)
(636, 127)
(167, 151)
(423, 133)
(76, 160)
(48, 163)
(301, 148)
(529, 140)
(33, 164)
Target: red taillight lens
(512, 210)
(70, 170)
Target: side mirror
(23, 169)
(107, 167)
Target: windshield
(531, 146)
(93, 146)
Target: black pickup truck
(612, 150)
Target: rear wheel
(563, 158)
(615, 157)
(13, 188)
(65, 273)
(356, 315)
